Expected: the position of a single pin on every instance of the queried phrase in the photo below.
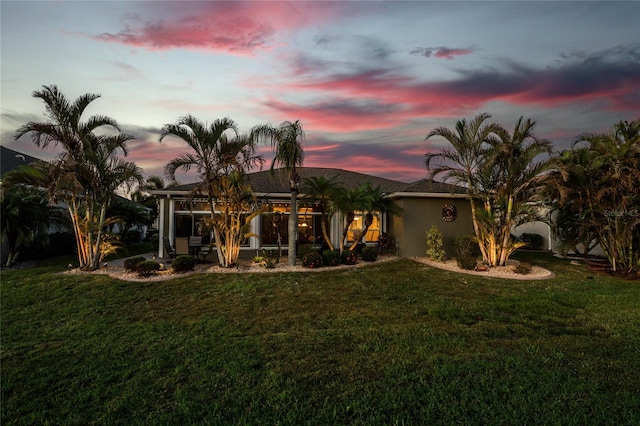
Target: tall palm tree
(87, 171)
(613, 198)
(322, 190)
(513, 180)
(221, 163)
(470, 145)
(375, 202)
(287, 141)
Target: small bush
(183, 263)
(464, 245)
(271, 258)
(331, 257)
(369, 254)
(534, 241)
(523, 268)
(434, 244)
(131, 264)
(467, 262)
(258, 259)
(349, 257)
(312, 260)
(303, 249)
(386, 244)
(147, 268)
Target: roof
(430, 186)
(11, 160)
(264, 182)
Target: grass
(395, 343)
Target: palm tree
(221, 163)
(322, 190)
(87, 171)
(375, 202)
(287, 141)
(348, 202)
(142, 196)
(25, 215)
(470, 145)
(512, 181)
(569, 186)
(612, 196)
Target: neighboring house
(11, 160)
(422, 202)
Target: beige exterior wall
(419, 213)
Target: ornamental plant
(386, 243)
(331, 257)
(131, 264)
(349, 257)
(271, 258)
(147, 268)
(183, 263)
(312, 260)
(434, 244)
(369, 254)
(466, 262)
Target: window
(357, 226)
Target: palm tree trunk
(476, 229)
(325, 233)
(293, 227)
(506, 227)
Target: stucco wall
(411, 226)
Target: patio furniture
(197, 249)
(168, 250)
(182, 246)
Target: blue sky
(368, 80)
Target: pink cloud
(441, 52)
(231, 26)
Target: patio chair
(168, 250)
(182, 245)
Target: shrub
(369, 254)
(331, 257)
(349, 257)
(464, 245)
(183, 263)
(131, 264)
(303, 249)
(434, 244)
(312, 260)
(258, 259)
(386, 243)
(358, 248)
(534, 241)
(466, 262)
(271, 258)
(523, 268)
(147, 268)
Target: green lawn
(394, 343)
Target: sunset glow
(368, 80)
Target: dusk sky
(368, 80)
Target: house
(424, 203)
